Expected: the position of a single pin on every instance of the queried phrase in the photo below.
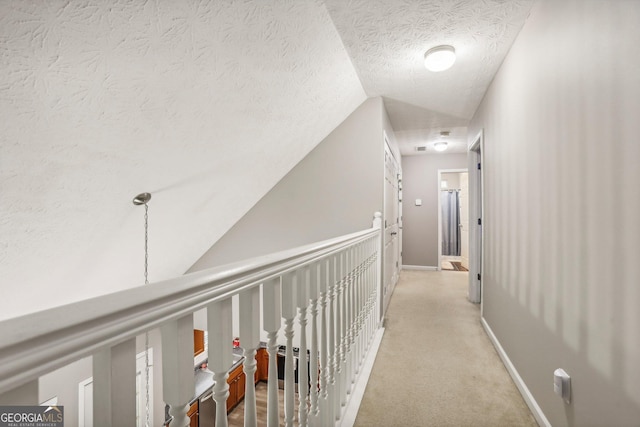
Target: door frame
(440, 172)
(476, 211)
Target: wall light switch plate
(418, 202)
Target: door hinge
(479, 221)
(479, 167)
(479, 276)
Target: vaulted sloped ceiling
(205, 104)
(387, 39)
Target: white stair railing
(330, 290)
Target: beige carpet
(436, 365)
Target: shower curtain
(450, 223)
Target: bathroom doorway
(453, 220)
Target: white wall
(452, 179)
(204, 104)
(561, 208)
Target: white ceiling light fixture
(440, 146)
(440, 58)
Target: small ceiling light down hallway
(440, 146)
(440, 58)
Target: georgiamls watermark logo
(31, 416)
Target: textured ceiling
(205, 104)
(387, 39)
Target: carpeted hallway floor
(436, 365)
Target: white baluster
(369, 292)
(358, 290)
(377, 223)
(365, 301)
(219, 326)
(331, 398)
(177, 368)
(354, 317)
(324, 343)
(374, 286)
(313, 295)
(272, 314)
(340, 328)
(355, 313)
(250, 340)
(302, 297)
(114, 386)
(348, 298)
(289, 313)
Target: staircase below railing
(328, 290)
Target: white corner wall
(561, 208)
(204, 104)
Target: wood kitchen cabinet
(193, 414)
(236, 381)
(262, 359)
(237, 378)
(198, 342)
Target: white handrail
(35, 344)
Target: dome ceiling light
(440, 58)
(440, 146)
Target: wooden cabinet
(198, 342)
(236, 381)
(193, 414)
(237, 378)
(262, 359)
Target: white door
(391, 223)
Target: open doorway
(453, 220)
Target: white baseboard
(419, 267)
(350, 412)
(522, 387)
